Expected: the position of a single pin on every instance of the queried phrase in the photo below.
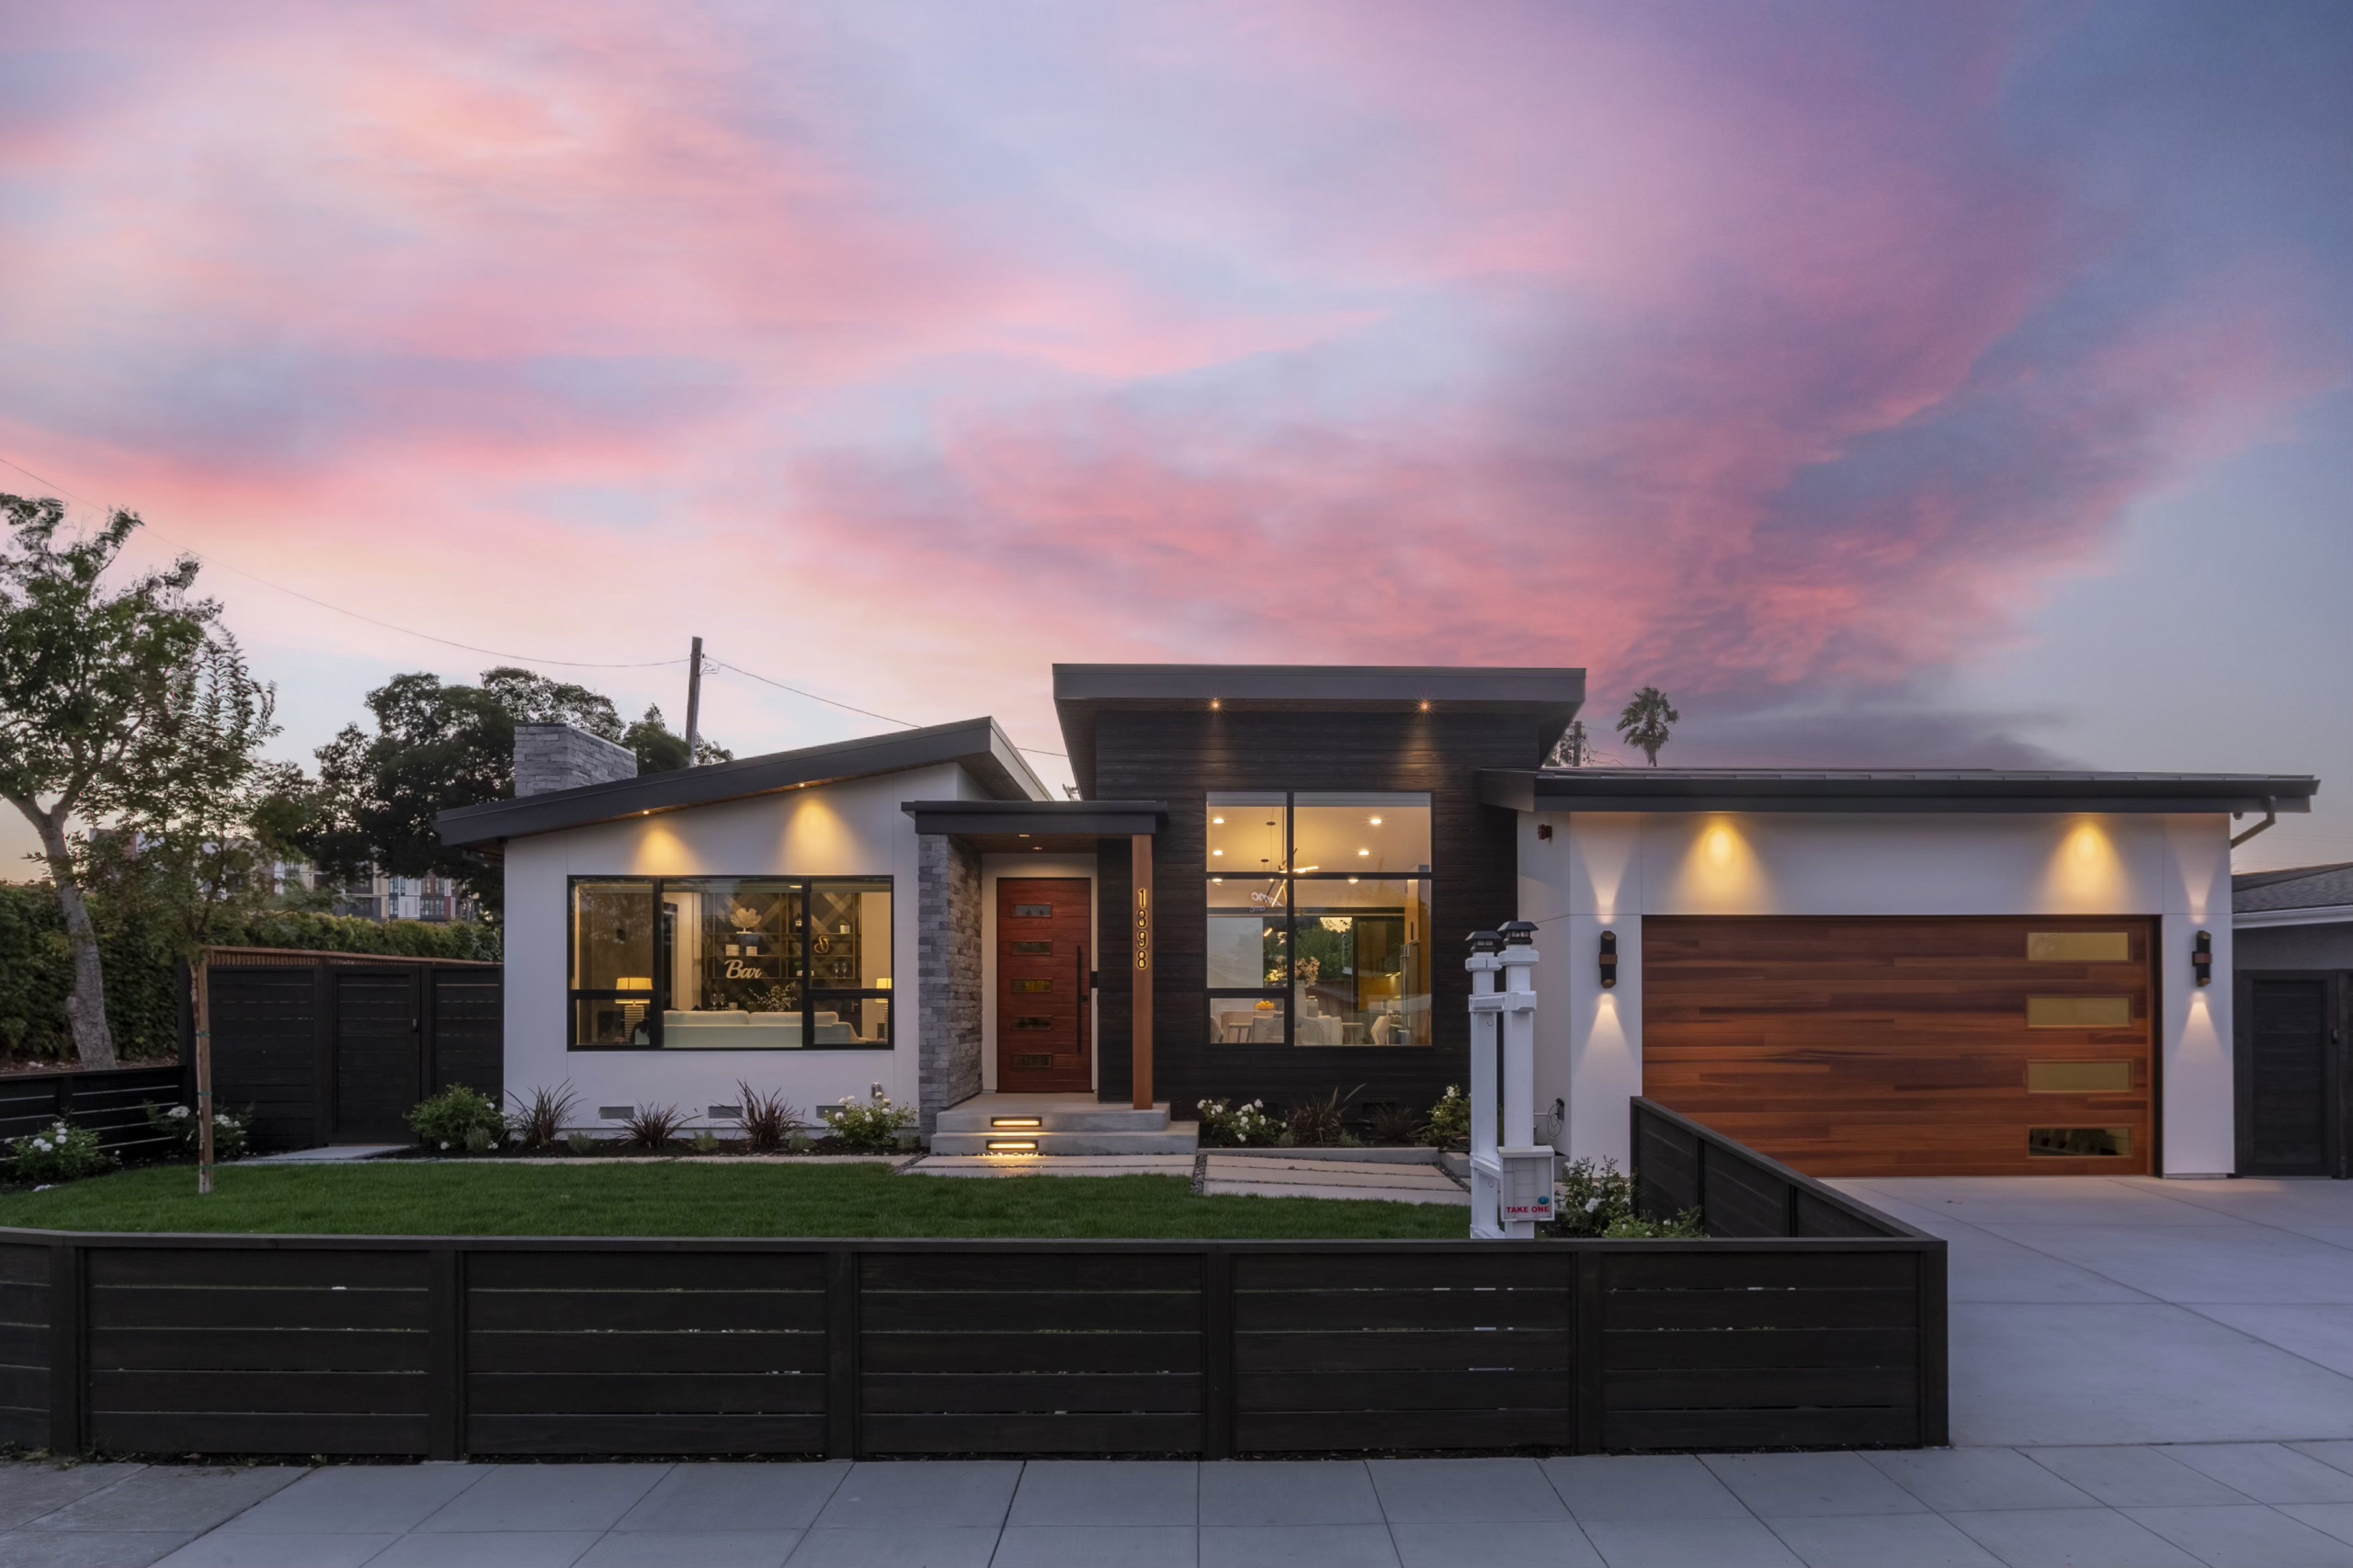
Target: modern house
(1263, 889)
(2293, 941)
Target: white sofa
(733, 1031)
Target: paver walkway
(2127, 1310)
(1271, 1176)
(2212, 1507)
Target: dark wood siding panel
(1179, 759)
(1885, 1046)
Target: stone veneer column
(948, 974)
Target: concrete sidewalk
(2129, 1309)
(2279, 1505)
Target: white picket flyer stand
(1511, 1175)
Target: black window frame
(812, 995)
(1283, 996)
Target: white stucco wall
(849, 829)
(993, 868)
(1606, 871)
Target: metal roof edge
(978, 746)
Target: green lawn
(406, 1199)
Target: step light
(1032, 1122)
(1013, 1146)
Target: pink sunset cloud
(1755, 352)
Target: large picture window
(730, 963)
(1318, 918)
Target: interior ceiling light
(1217, 852)
(1219, 822)
(1376, 821)
(1425, 707)
(1364, 851)
(1354, 880)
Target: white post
(1486, 1010)
(1527, 1166)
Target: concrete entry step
(1171, 1138)
(1027, 1114)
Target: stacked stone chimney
(557, 756)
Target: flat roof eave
(1890, 790)
(1548, 696)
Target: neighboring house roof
(2301, 895)
(975, 744)
(1886, 790)
(1549, 697)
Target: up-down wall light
(1608, 960)
(2201, 959)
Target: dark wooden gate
(379, 1074)
(2293, 1075)
(336, 1048)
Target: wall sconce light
(1608, 960)
(2201, 959)
(1544, 830)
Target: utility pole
(694, 700)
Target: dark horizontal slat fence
(1808, 1321)
(109, 1101)
(1713, 1347)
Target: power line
(474, 648)
(711, 664)
(340, 609)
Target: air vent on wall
(726, 1113)
(616, 1112)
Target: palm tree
(1644, 722)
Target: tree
(1644, 722)
(437, 747)
(659, 750)
(1574, 749)
(130, 709)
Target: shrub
(1238, 1126)
(580, 1142)
(1319, 1123)
(61, 1152)
(706, 1142)
(459, 1117)
(651, 1126)
(1394, 1123)
(876, 1125)
(1595, 1198)
(538, 1121)
(1449, 1121)
(770, 1121)
(231, 1134)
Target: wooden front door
(1044, 985)
(1908, 1047)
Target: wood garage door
(1899, 1047)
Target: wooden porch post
(1140, 920)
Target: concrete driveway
(2129, 1309)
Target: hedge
(140, 955)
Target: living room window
(1318, 918)
(730, 963)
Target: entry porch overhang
(1020, 826)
